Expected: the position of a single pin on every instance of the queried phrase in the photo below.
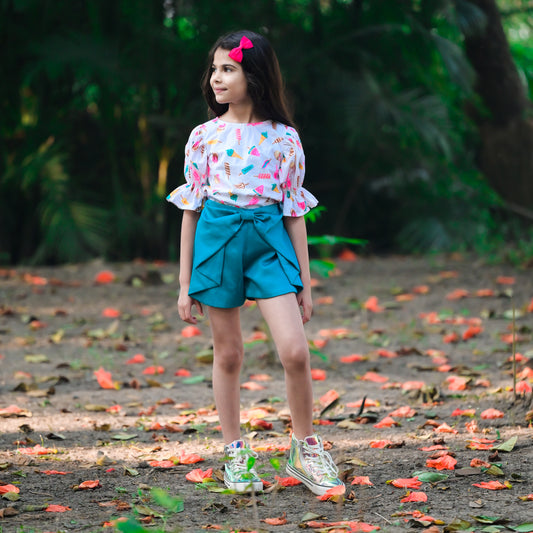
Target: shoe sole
(319, 490)
(250, 486)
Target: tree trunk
(506, 153)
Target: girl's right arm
(185, 302)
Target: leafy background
(98, 99)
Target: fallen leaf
(105, 380)
(362, 480)
(4, 489)
(505, 280)
(372, 305)
(335, 494)
(200, 476)
(138, 358)
(162, 464)
(57, 509)
(446, 462)
(406, 483)
(36, 450)
(492, 485)
(415, 497)
(380, 443)
(489, 414)
(190, 458)
(388, 354)
(335, 333)
(374, 377)
(353, 358)
(403, 412)
(317, 374)
(191, 331)
(328, 398)
(472, 331)
(14, 411)
(457, 383)
(444, 428)
(387, 422)
(464, 412)
(457, 294)
(479, 463)
(54, 473)
(287, 481)
(155, 370)
(104, 277)
(252, 385)
(111, 312)
(347, 255)
(280, 521)
(413, 385)
(89, 484)
(451, 338)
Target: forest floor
(431, 353)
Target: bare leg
(283, 317)
(227, 361)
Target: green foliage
(101, 97)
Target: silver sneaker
(312, 465)
(239, 471)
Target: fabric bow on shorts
(242, 253)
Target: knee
(228, 359)
(295, 358)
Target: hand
(305, 301)
(185, 305)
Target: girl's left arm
(298, 234)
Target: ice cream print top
(244, 165)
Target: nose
(215, 76)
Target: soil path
(431, 353)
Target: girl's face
(228, 81)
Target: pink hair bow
(236, 53)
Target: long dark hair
(261, 68)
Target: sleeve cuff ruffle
(299, 203)
(187, 197)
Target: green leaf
(507, 446)
(147, 511)
(163, 498)
(11, 496)
(321, 267)
(523, 528)
(123, 436)
(330, 240)
(36, 358)
(193, 380)
(130, 526)
(430, 477)
(494, 470)
(458, 525)
(489, 519)
(275, 463)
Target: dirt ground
(434, 385)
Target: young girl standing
(243, 236)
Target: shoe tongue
(237, 444)
(312, 440)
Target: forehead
(221, 57)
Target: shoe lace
(239, 459)
(318, 460)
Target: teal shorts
(241, 254)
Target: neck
(241, 114)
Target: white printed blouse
(244, 165)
